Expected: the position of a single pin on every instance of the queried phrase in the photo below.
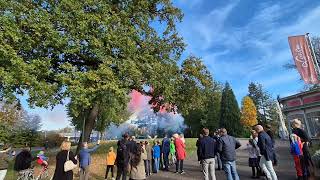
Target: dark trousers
(166, 160)
(219, 163)
(179, 165)
(147, 167)
(109, 167)
(121, 171)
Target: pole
(313, 55)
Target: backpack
(296, 147)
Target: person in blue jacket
(166, 152)
(85, 159)
(156, 156)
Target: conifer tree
(229, 112)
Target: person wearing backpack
(122, 159)
(305, 156)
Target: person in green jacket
(172, 152)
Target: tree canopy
(94, 53)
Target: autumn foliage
(248, 112)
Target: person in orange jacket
(111, 158)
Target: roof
(299, 95)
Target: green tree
(206, 115)
(265, 104)
(261, 100)
(229, 112)
(91, 51)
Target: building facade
(304, 106)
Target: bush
(316, 158)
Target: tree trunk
(89, 125)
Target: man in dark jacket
(165, 152)
(265, 145)
(207, 154)
(271, 135)
(122, 159)
(227, 148)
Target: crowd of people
(221, 148)
(140, 159)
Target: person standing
(85, 159)
(111, 158)
(61, 158)
(137, 168)
(265, 145)
(122, 159)
(166, 152)
(131, 144)
(180, 153)
(271, 135)
(254, 154)
(147, 162)
(305, 159)
(172, 152)
(216, 137)
(207, 154)
(227, 147)
(156, 156)
(4, 162)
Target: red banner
(303, 59)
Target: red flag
(303, 59)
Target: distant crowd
(140, 159)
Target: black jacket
(265, 145)
(61, 158)
(122, 158)
(207, 148)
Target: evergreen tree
(265, 104)
(248, 112)
(229, 112)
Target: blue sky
(240, 41)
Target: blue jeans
(230, 169)
(156, 165)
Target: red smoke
(139, 102)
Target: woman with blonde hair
(61, 158)
(303, 162)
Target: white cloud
(263, 34)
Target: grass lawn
(98, 165)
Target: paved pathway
(285, 170)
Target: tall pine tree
(229, 112)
